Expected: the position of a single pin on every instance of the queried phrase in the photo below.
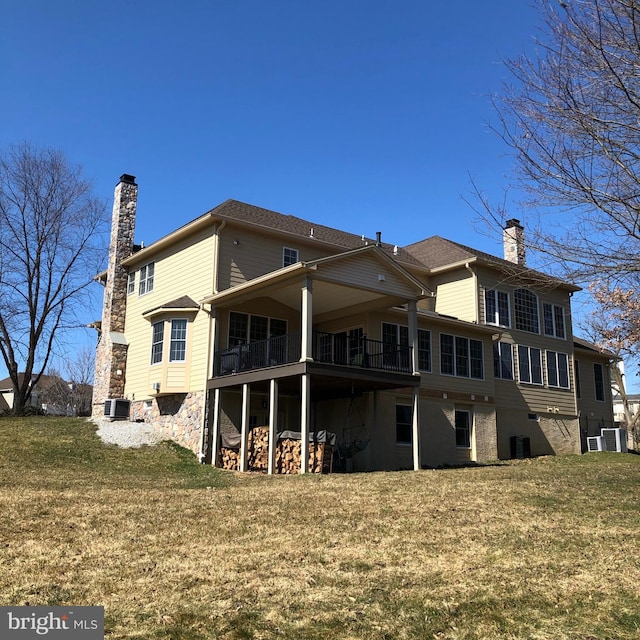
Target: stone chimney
(111, 353)
(513, 241)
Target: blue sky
(364, 115)
(368, 116)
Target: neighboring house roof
(631, 397)
(6, 384)
(45, 382)
(581, 343)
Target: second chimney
(513, 241)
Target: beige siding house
(247, 323)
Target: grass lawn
(545, 548)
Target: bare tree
(571, 115)
(51, 244)
(614, 325)
(79, 371)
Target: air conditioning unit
(116, 408)
(614, 440)
(595, 443)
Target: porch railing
(331, 348)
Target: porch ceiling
(328, 296)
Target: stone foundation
(177, 417)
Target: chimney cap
(378, 238)
(513, 222)
(129, 179)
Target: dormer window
(289, 256)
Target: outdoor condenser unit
(614, 440)
(116, 408)
(595, 443)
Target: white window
(461, 357)
(496, 304)
(131, 283)
(526, 308)
(398, 335)
(553, 320)
(289, 256)
(157, 342)
(404, 423)
(424, 350)
(503, 360)
(557, 369)
(178, 343)
(245, 328)
(529, 365)
(146, 279)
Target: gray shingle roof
(428, 254)
(293, 225)
(183, 302)
(581, 343)
(436, 252)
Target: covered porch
(311, 365)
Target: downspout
(211, 336)
(476, 308)
(216, 254)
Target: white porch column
(215, 428)
(413, 335)
(211, 341)
(273, 425)
(244, 439)
(417, 462)
(305, 419)
(306, 347)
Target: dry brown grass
(539, 549)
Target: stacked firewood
(288, 452)
(259, 449)
(229, 458)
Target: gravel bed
(127, 434)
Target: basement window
(463, 429)
(404, 423)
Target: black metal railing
(360, 351)
(331, 348)
(258, 354)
